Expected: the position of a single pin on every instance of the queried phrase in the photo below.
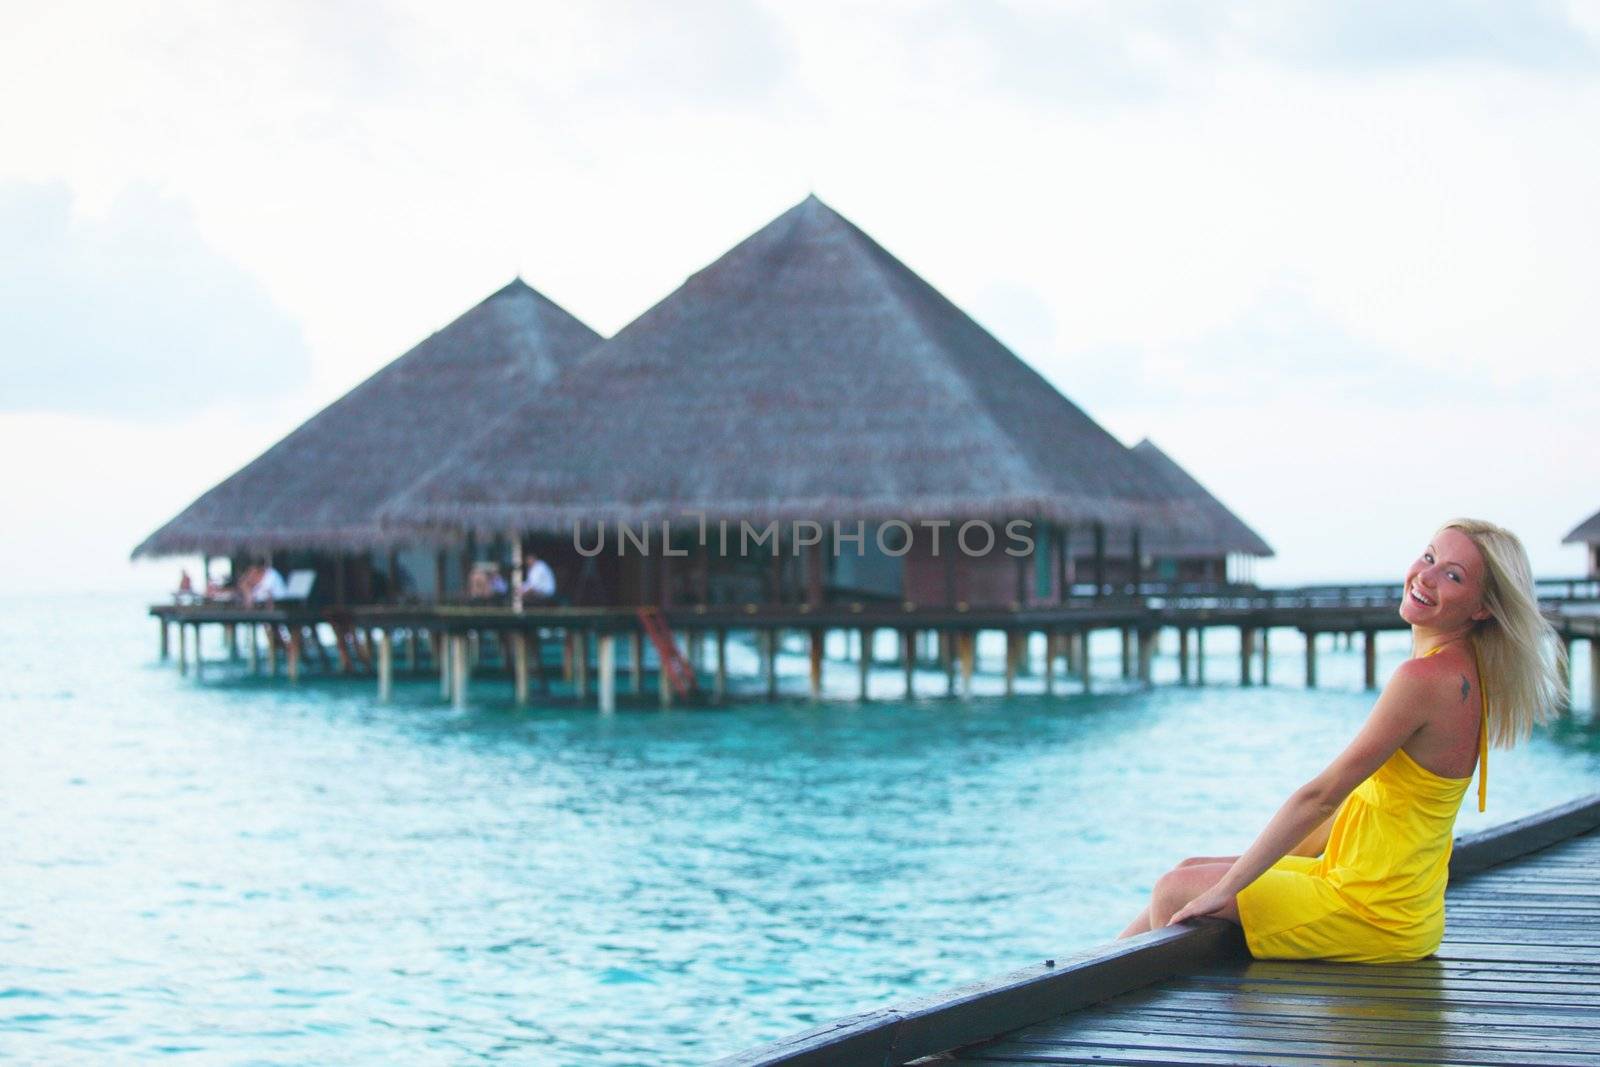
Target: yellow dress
(1376, 894)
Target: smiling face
(1444, 587)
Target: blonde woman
(1353, 865)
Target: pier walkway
(1516, 981)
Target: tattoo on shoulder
(1466, 688)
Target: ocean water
(238, 871)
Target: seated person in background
(478, 585)
(216, 589)
(268, 587)
(497, 583)
(539, 584)
(185, 584)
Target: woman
(1353, 865)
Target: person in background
(269, 586)
(185, 584)
(539, 583)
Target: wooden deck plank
(1517, 980)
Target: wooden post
(255, 652)
(636, 662)
(719, 683)
(664, 687)
(1183, 655)
(1247, 648)
(516, 571)
(1200, 655)
(1266, 656)
(816, 664)
(460, 670)
(968, 642)
(293, 667)
(608, 673)
(1311, 659)
(864, 662)
(908, 645)
(1127, 651)
(519, 667)
(199, 665)
(947, 652)
(566, 655)
(1050, 640)
(411, 649)
(164, 640)
(183, 649)
(1011, 662)
(444, 652)
(1085, 670)
(1147, 654)
(580, 664)
(385, 665)
(230, 634)
(769, 649)
(1369, 656)
(1594, 680)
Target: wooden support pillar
(1051, 638)
(1200, 655)
(1013, 656)
(411, 650)
(769, 656)
(636, 662)
(1127, 652)
(663, 687)
(444, 653)
(385, 666)
(1369, 656)
(1266, 656)
(230, 635)
(947, 655)
(817, 637)
(515, 537)
(968, 642)
(1147, 654)
(274, 641)
(164, 640)
(519, 667)
(608, 672)
(255, 651)
(580, 664)
(199, 663)
(293, 666)
(1183, 655)
(1311, 659)
(1247, 649)
(566, 655)
(908, 646)
(183, 649)
(695, 642)
(719, 682)
(460, 670)
(1085, 664)
(864, 663)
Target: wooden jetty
(1516, 981)
(686, 648)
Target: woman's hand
(1212, 902)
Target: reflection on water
(245, 871)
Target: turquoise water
(239, 872)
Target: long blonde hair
(1519, 654)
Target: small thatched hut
(805, 376)
(1587, 533)
(311, 499)
(1198, 555)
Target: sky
(1337, 259)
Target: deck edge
(989, 1007)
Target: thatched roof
(1227, 532)
(806, 373)
(321, 485)
(1586, 532)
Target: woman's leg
(1176, 888)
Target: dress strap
(1483, 731)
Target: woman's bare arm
(1401, 711)
(1315, 841)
